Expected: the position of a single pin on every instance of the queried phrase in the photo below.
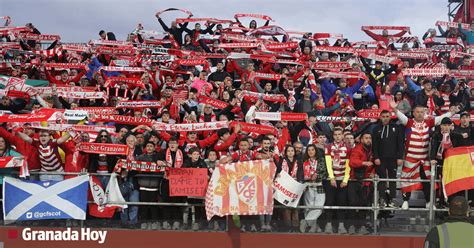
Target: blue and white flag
(41, 200)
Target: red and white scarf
(258, 16)
(117, 50)
(285, 167)
(310, 168)
(453, 24)
(384, 59)
(99, 110)
(38, 37)
(433, 72)
(38, 116)
(140, 166)
(130, 82)
(139, 104)
(327, 36)
(267, 97)
(14, 162)
(103, 148)
(178, 161)
(281, 116)
(49, 66)
(190, 127)
(122, 69)
(254, 128)
(110, 43)
(121, 119)
(174, 9)
(330, 65)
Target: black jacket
(388, 141)
(144, 180)
(111, 162)
(422, 99)
(299, 170)
(377, 73)
(198, 164)
(470, 135)
(456, 140)
(218, 76)
(177, 33)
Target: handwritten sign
(188, 182)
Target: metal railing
(375, 208)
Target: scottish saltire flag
(41, 200)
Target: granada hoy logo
(82, 234)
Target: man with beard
(362, 167)
(465, 129)
(219, 75)
(388, 154)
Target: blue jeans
(104, 180)
(130, 215)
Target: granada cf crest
(247, 188)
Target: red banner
(116, 50)
(132, 82)
(263, 17)
(99, 110)
(282, 46)
(121, 119)
(330, 65)
(39, 116)
(254, 128)
(39, 37)
(103, 148)
(49, 66)
(188, 181)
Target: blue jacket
(328, 89)
(94, 66)
(469, 35)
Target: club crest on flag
(242, 188)
(246, 188)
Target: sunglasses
(103, 136)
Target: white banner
(287, 190)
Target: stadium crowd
(388, 107)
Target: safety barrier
(375, 208)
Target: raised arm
(401, 117)
(356, 86)
(415, 87)
(372, 34)
(163, 25)
(63, 138)
(25, 137)
(437, 119)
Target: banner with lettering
(242, 188)
(287, 190)
(188, 181)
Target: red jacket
(82, 159)
(358, 155)
(23, 147)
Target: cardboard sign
(287, 190)
(188, 182)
